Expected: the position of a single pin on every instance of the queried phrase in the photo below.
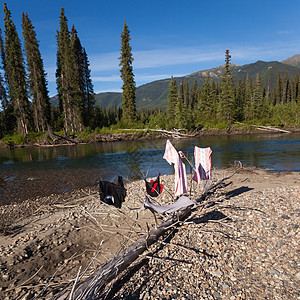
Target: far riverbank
(144, 134)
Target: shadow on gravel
(238, 191)
(214, 215)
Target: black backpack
(112, 193)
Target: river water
(32, 172)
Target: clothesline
(202, 167)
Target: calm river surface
(31, 172)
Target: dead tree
(95, 284)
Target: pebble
(248, 256)
(245, 251)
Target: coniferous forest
(26, 110)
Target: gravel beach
(242, 242)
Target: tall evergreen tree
(8, 118)
(88, 91)
(37, 77)
(180, 108)
(67, 78)
(257, 101)
(186, 93)
(286, 89)
(278, 90)
(194, 94)
(84, 78)
(205, 105)
(214, 100)
(16, 74)
(295, 90)
(240, 100)
(248, 108)
(227, 95)
(128, 87)
(172, 101)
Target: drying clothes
(182, 202)
(154, 188)
(202, 163)
(171, 156)
(112, 193)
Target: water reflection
(59, 168)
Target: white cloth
(171, 156)
(182, 202)
(202, 163)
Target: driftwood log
(267, 128)
(175, 133)
(95, 284)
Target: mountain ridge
(292, 61)
(154, 94)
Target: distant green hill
(155, 94)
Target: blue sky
(168, 38)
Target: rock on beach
(241, 243)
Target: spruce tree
(8, 119)
(37, 77)
(286, 89)
(128, 87)
(172, 101)
(248, 107)
(214, 101)
(278, 90)
(257, 98)
(295, 89)
(84, 78)
(16, 75)
(180, 118)
(67, 78)
(186, 93)
(240, 100)
(194, 94)
(88, 91)
(205, 106)
(227, 95)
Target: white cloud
(137, 77)
(108, 91)
(215, 54)
(153, 77)
(285, 32)
(113, 78)
(155, 58)
(179, 56)
(156, 64)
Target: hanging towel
(154, 188)
(182, 202)
(202, 163)
(171, 156)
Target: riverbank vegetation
(28, 116)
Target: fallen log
(267, 128)
(65, 138)
(175, 133)
(95, 284)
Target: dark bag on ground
(112, 193)
(154, 188)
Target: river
(33, 171)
